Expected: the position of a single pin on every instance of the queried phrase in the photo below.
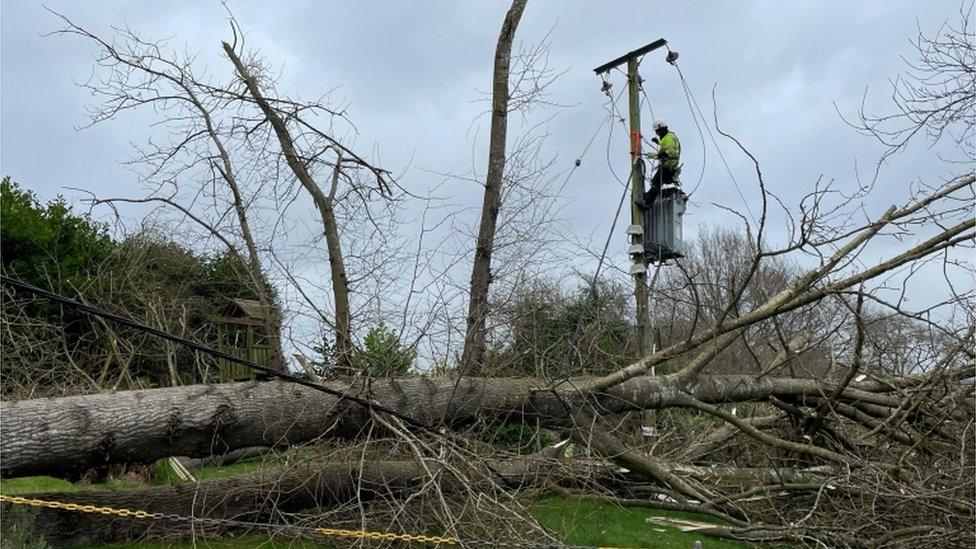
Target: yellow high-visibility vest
(670, 152)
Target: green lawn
(602, 524)
(33, 485)
(574, 522)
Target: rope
(366, 535)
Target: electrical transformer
(662, 226)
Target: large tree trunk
(70, 434)
(324, 203)
(473, 356)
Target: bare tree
(474, 340)
(935, 97)
(138, 74)
(218, 133)
(298, 162)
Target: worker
(668, 156)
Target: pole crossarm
(628, 56)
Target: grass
(164, 475)
(601, 524)
(33, 485)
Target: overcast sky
(410, 74)
(410, 70)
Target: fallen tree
(884, 430)
(66, 435)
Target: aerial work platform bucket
(662, 226)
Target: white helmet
(658, 124)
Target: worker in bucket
(668, 156)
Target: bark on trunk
(229, 458)
(64, 435)
(323, 202)
(473, 356)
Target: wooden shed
(242, 331)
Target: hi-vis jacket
(670, 152)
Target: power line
(197, 346)
(615, 112)
(701, 136)
(640, 86)
(690, 96)
(579, 159)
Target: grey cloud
(409, 71)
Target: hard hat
(658, 124)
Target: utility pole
(637, 194)
(643, 335)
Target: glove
(655, 140)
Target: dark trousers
(662, 176)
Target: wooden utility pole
(643, 323)
(637, 194)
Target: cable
(577, 330)
(19, 284)
(645, 99)
(689, 95)
(596, 275)
(197, 346)
(616, 114)
(579, 159)
(701, 136)
(640, 86)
